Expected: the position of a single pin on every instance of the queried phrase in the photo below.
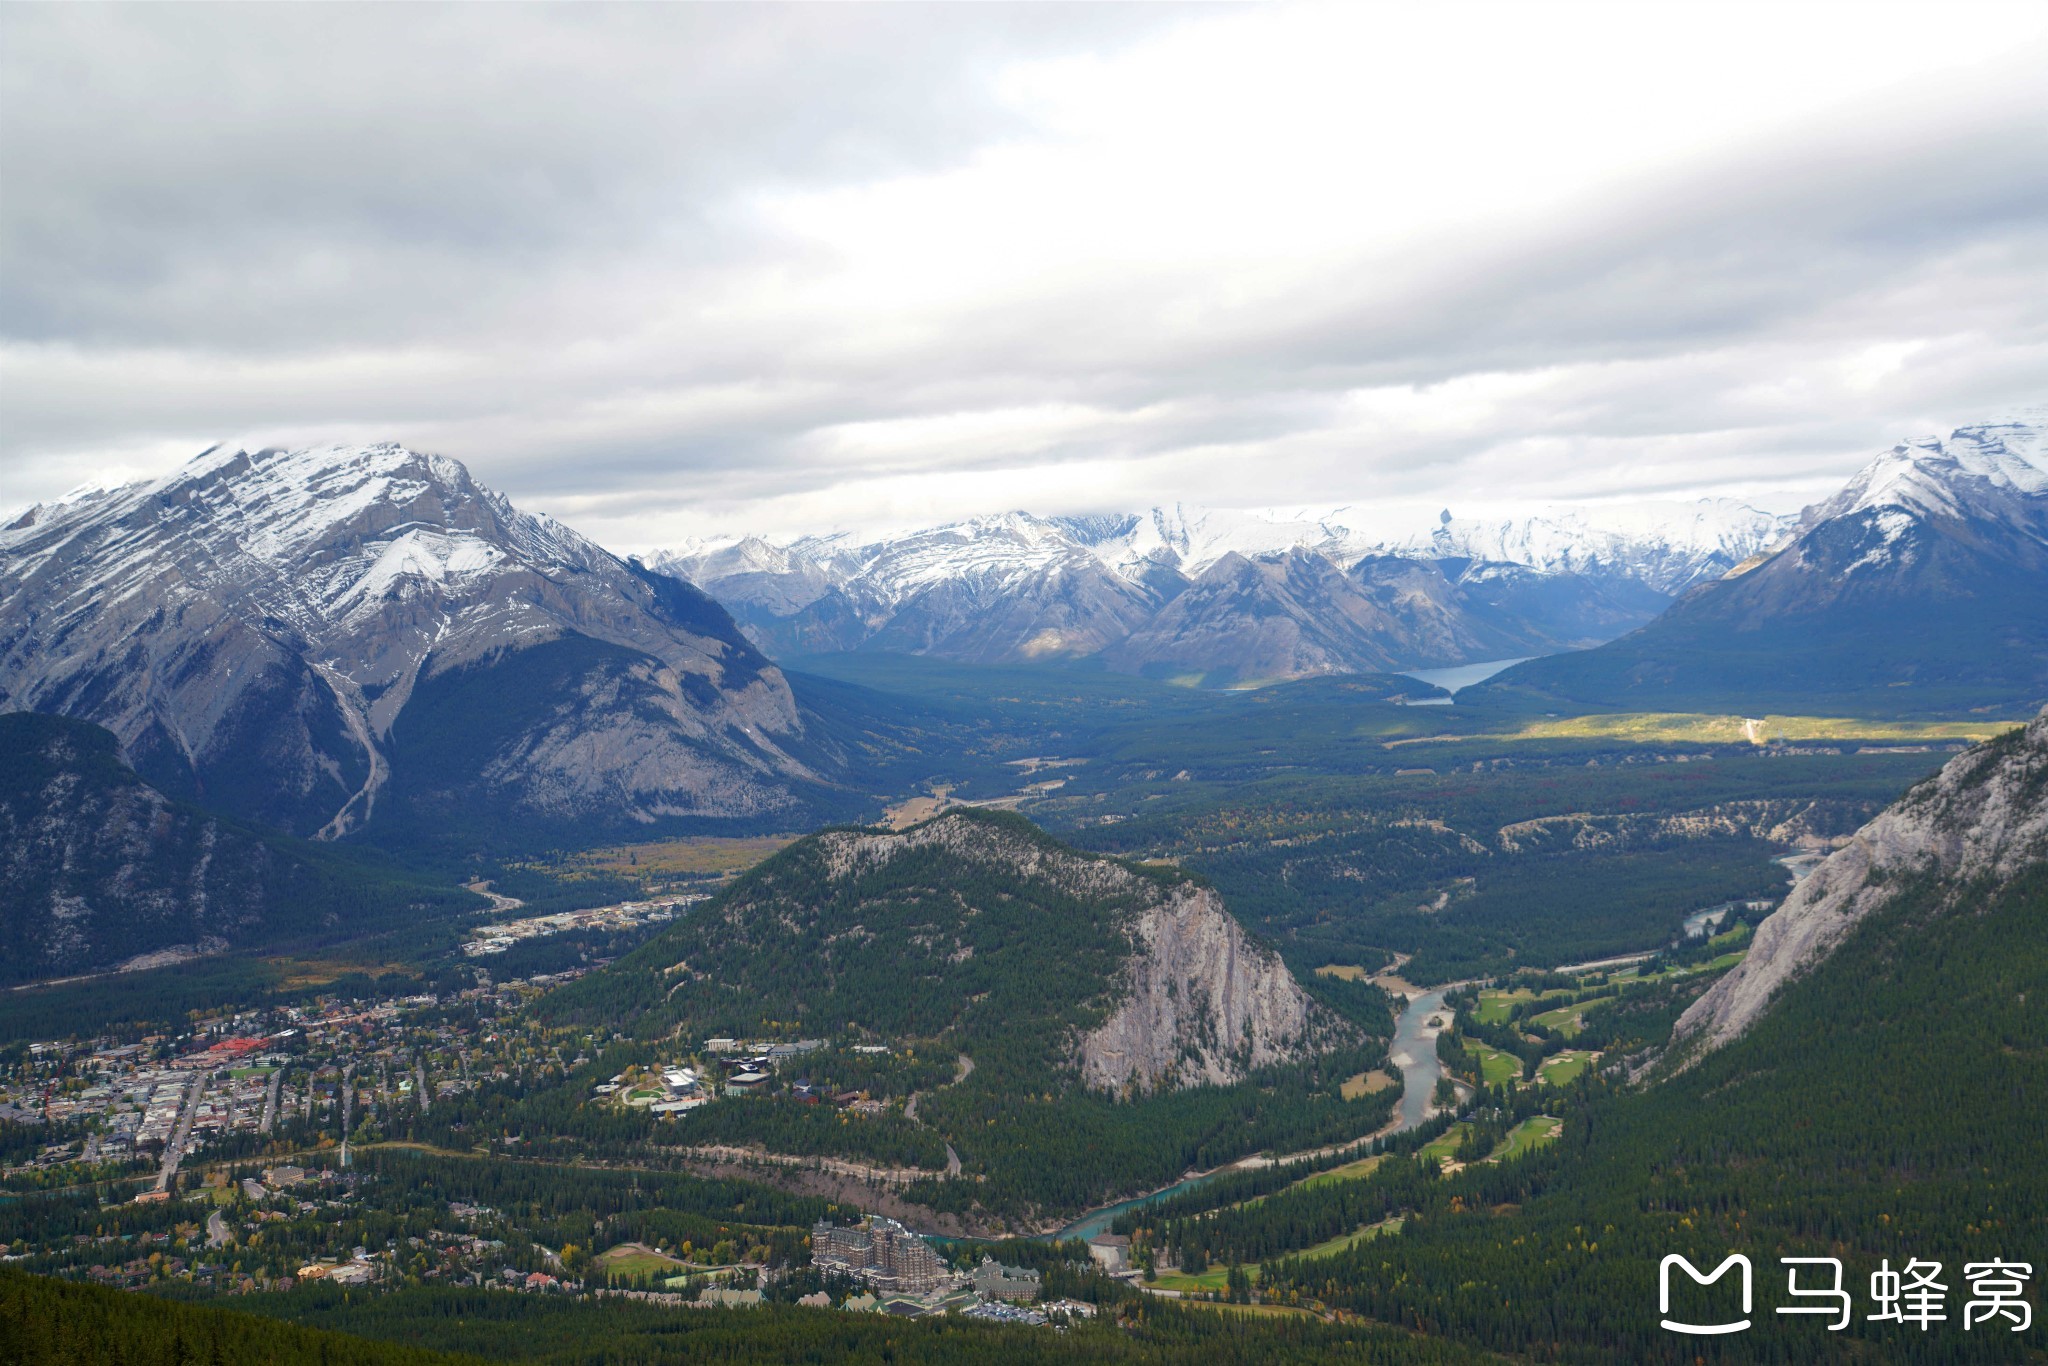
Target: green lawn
(1494, 1006)
(1530, 1133)
(1564, 1068)
(1445, 1144)
(1218, 1277)
(1346, 1240)
(621, 1262)
(1215, 1278)
(1350, 1171)
(1701, 728)
(1565, 1019)
(1495, 1066)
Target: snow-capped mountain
(1928, 572)
(302, 637)
(1020, 587)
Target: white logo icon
(1735, 1259)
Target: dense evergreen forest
(1888, 1107)
(1477, 873)
(45, 1322)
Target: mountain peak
(256, 621)
(1973, 471)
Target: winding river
(1413, 1051)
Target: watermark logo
(1734, 1259)
(1914, 1296)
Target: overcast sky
(674, 271)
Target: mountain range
(1228, 597)
(311, 638)
(1924, 580)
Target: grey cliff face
(96, 867)
(1984, 817)
(254, 628)
(1204, 1005)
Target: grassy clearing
(1530, 1133)
(1494, 1006)
(635, 1260)
(1364, 1084)
(1701, 728)
(1349, 972)
(1342, 1241)
(319, 972)
(699, 854)
(1199, 1282)
(1564, 1068)
(1254, 1310)
(1495, 1066)
(1565, 1020)
(1350, 1171)
(1445, 1145)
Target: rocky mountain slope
(1276, 593)
(1926, 576)
(976, 933)
(1972, 828)
(97, 868)
(314, 638)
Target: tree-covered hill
(974, 933)
(1073, 1026)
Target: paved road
(270, 1101)
(498, 902)
(419, 1081)
(217, 1234)
(174, 1151)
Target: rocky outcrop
(1203, 1004)
(96, 866)
(1980, 820)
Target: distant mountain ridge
(1926, 575)
(306, 638)
(1228, 596)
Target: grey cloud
(503, 231)
(294, 176)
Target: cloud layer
(671, 271)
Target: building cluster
(490, 939)
(133, 1103)
(880, 1253)
(906, 1277)
(670, 1091)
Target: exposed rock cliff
(97, 868)
(1981, 819)
(1204, 1004)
